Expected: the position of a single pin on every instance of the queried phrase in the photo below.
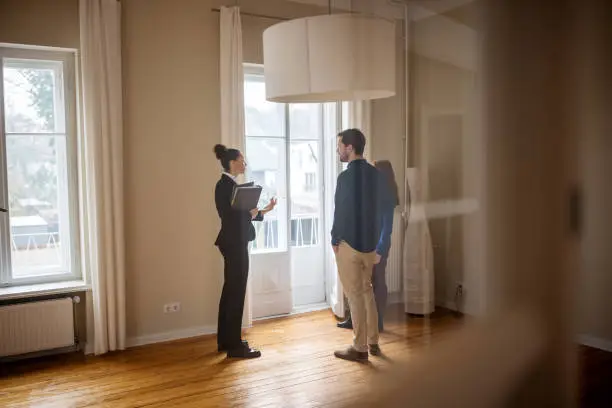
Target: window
(266, 157)
(38, 239)
(310, 182)
(283, 154)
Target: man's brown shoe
(375, 350)
(351, 354)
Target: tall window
(283, 146)
(266, 156)
(37, 167)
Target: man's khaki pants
(355, 272)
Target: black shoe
(350, 354)
(222, 348)
(347, 324)
(375, 350)
(244, 352)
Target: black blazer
(236, 225)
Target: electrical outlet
(172, 307)
(459, 289)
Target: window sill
(44, 289)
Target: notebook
(246, 197)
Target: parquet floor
(297, 369)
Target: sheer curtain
(232, 98)
(101, 165)
(360, 117)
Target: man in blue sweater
(361, 197)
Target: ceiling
(418, 9)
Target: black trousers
(231, 305)
(379, 284)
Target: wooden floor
(297, 369)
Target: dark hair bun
(220, 151)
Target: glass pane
(305, 121)
(305, 193)
(33, 96)
(262, 118)
(38, 202)
(266, 166)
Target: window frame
(68, 59)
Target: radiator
(36, 326)
(394, 263)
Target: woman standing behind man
(233, 240)
(379, 282)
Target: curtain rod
(216, 10)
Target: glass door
(306, 199)
(291, 153)
(267, 165)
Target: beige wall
(388, 122)
(40, 22)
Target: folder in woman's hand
(246, 197)
(249, 184)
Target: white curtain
(232, 98)
(334, 292)
(101, 165)
(360, 117)
(418, 261)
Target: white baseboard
(395, 298)
(595, 342)
(170, 336)
(447, 304)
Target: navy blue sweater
(384, 243)
(362, 198)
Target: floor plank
(297, 369)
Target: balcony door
(284, 153)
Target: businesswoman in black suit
(233, 240)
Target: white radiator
(394, 263)
(36, 326)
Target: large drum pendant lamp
(336, 57)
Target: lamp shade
(338, 57)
